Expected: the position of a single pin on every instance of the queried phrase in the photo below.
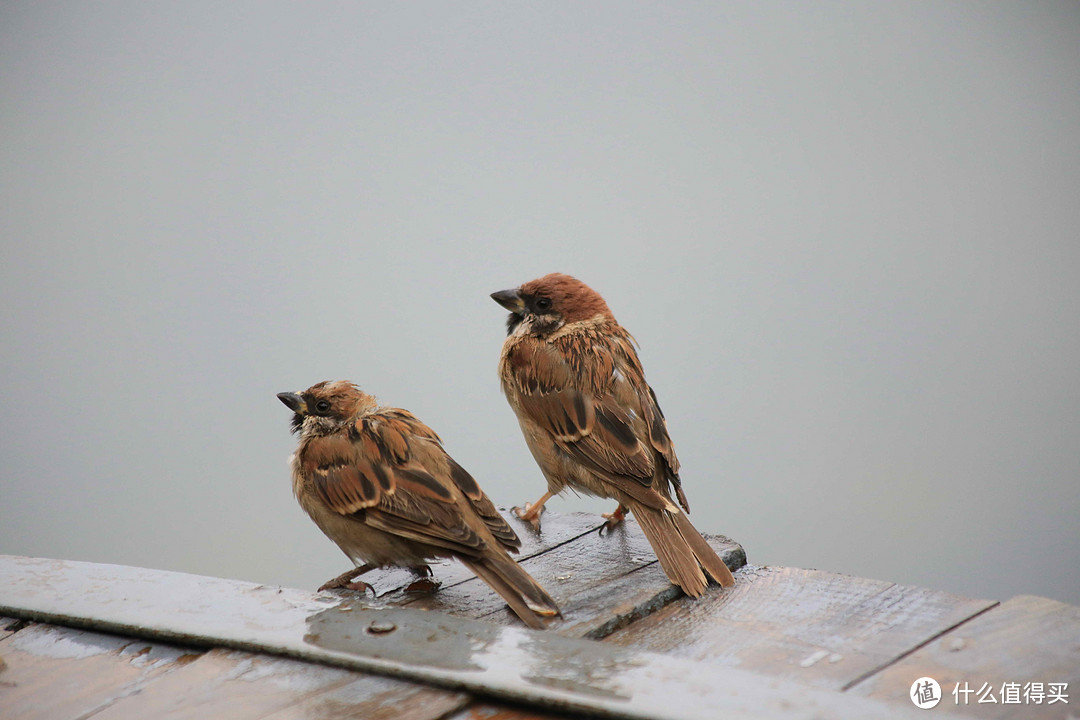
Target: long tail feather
(704, 553)
(523, 594)
(681, 550)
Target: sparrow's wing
(573, 394)
(661, 442)
(393, 467)
(483, 506)
(631, 391)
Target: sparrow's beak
(294, 402)
(511, 300)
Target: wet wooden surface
(819, 628)
(845, 640)
(1023, 640)
(598, 580)
(57, 672)
(245, 686)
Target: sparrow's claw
(357, 585)
(530, 514)
(614, 519)
(345, 581)
(423, 585)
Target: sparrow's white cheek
(523, 328)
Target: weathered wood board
(390, 585)
(487, 711)
(817, 644)
(9, 625)
(245, 686)
(499, 664)
(597, 579)
(376, 698)
(1024, 640)
(54, 673)
(819, 628)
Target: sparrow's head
(325, 407)
(546, 304)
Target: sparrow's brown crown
(554, 300)
(569, 297)
(332, 402)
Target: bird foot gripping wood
(530, 513)
(425, 582)
(423, 585)
(614, 519)
(345, 581)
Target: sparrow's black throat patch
(512, 321)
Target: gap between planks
(884, 666)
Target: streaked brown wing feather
(655, 424)
(581, 415)
(661, 442)
(484, 507)
(443, 527)
(344, 479)
(391, 472)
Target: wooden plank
(1026, 639)
(10, 625)
(241, 686)
(587, 560)
(814, 627)
(376, 698)
(596, 579)
(231, 684)
(57, 673)
(596, 609)
(556, 530)
(488, 711)
(570, 559)
(504, 664)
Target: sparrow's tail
(681, 550)
(523, 594)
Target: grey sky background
(846, 235)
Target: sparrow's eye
(543, 303)
(322, 407)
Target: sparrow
(378, 482)
(572, 376)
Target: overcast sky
(846, 235)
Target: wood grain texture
(1026, 639)
(10, 625)
(595, 578)
(819, 628)
(57, 673)
(239, 685)
(391, 584)
(370, 697)
(496, 711)
(587, 560)
(224, 683)
(597, 610)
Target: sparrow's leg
(614, 519)
(531, 513)
(425, 582)
(345, 580)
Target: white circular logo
(925, 693)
